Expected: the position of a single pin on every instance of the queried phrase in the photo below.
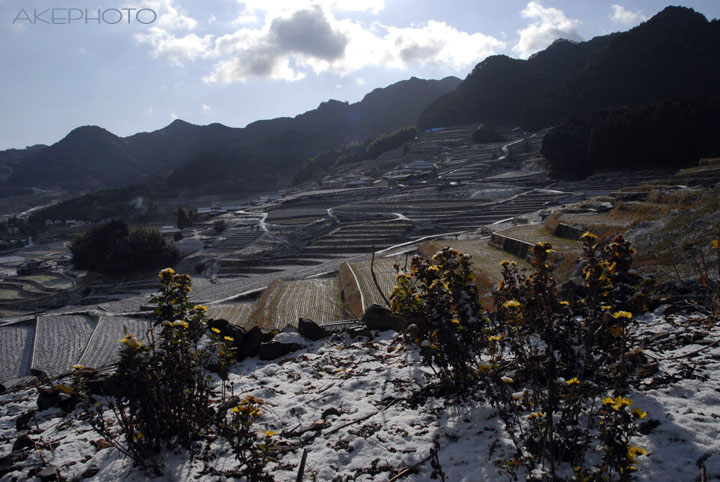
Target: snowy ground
(358, 408)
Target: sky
(136, 65)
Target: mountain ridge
(668, 55)
(102, 159)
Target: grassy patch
(535, 233)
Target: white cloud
(176, 48)
(169, 15)
(625, 17)
(289, 39)
(163, 36)
(205, 108)
(343, 46)
(550, 24)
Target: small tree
(185, 217)
(113, 248)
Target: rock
(48, 398)
(329, 412)
(2, 389)
(252, 342)
(273, 349)
(39, 374)
(47, 473)
(311, 330)
(23, 421)
(23, 441)
(378, 318)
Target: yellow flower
(588, 236)
(78, 367)
(537, 415)
(715, 243)
(617, 403)
(639, 413)
(455, 320)
(131, 341)
(270, 433)
(180, 323)
(215, 330)
(507, 380)
(564, 303)
(137, 436)
(434, 267)
(511, 304)
(166, 323)
(200, 308)
(507, 262)
(634, 451)
(573, 381)
(622, 314)
(605, 307)
(166, 272)
(495, 338)
(229, 338)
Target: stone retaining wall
(521, 249)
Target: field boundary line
(359, 288)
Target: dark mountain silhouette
(177, 143)
(11, 158)
(88, 157)
(669, 134)
(217, 157)
(672, 54)
(268, 152)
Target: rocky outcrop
(378, 318)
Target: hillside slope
(215, 156)
(672, 54)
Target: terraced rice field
(16, 349)
(6, 294)
(317, 299)
(385, 274)
(60, 342)
(535, 233)
(50, 281)
(104, 344)
(237, 314)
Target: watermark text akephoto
(85, 16)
